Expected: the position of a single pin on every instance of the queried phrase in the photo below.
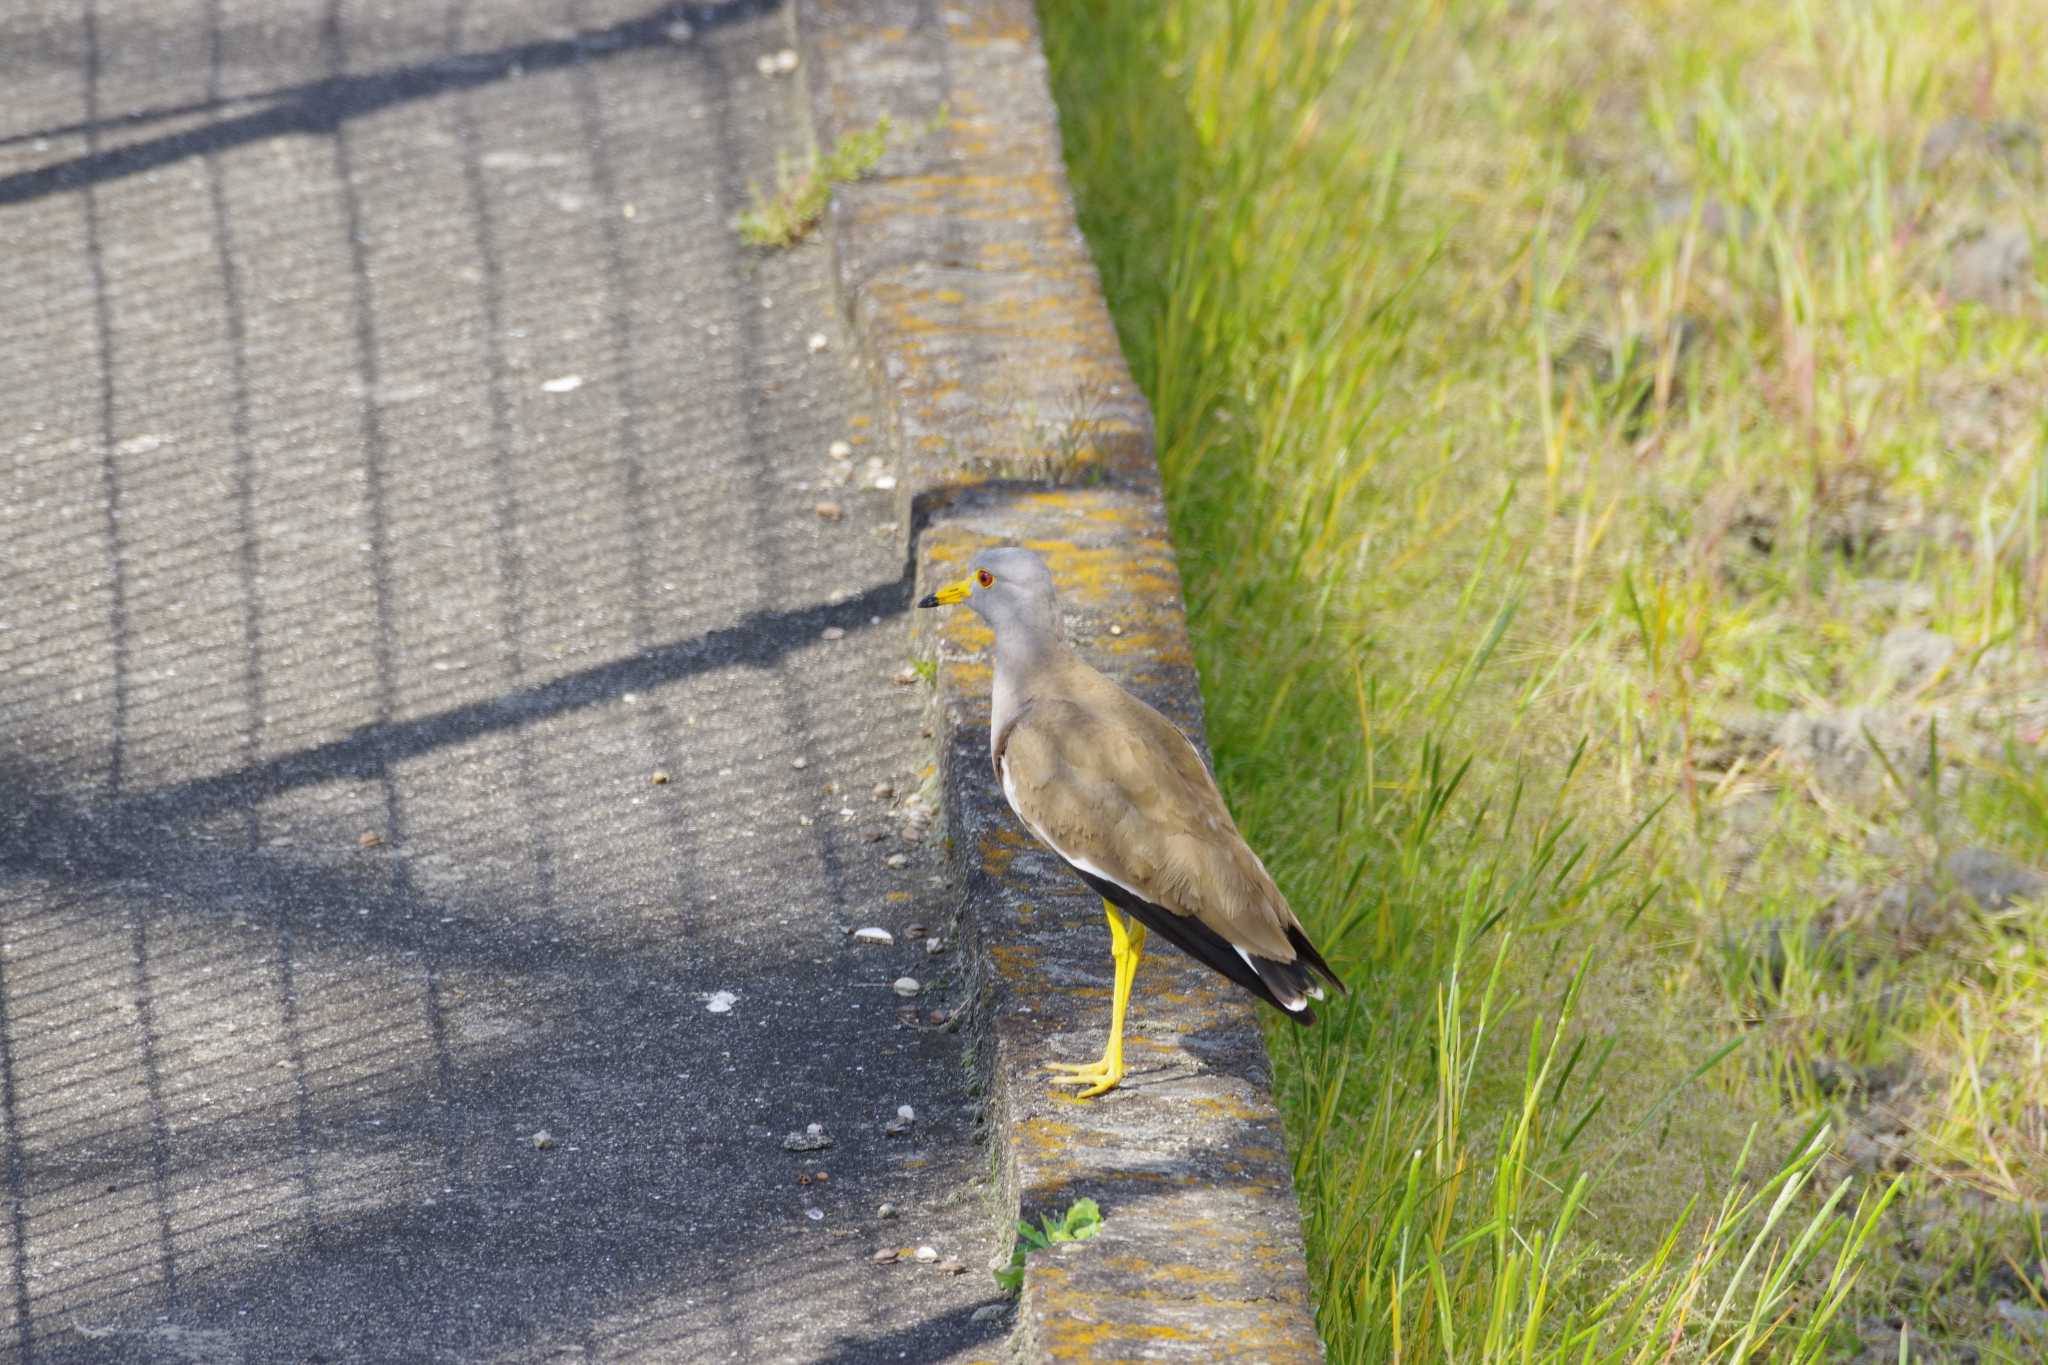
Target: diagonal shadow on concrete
(320, 107)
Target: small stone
(934, 946)
(883, 791)
(915, 931)
(907, 985)
(906, 1113)
(885, 482)
(813, 1138)
(567, 383)
(718, 1002)
(369, 838)
(1116, 630)
(937, 1018)
(840, 450)
(873, 934)
(815, 1215)
(799, 763)
(927, 1254)
(874, 836)
(886, 1211)
(829, 511)
(952, 1267)
(543, 1140)
(818, 342)
(897, 1127)
(897, 860)
(988, 1312)
(905, 676)
(660, 777)
(886, 1256)
(833, 633)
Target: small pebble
(841, 450)
(829, 511)
(885, 482)
(818, 342)
(812, 1139)
(907, 985)
(872, 934)
(660, 778)
(897, 860)
(988, 1312)
(886, 1211)
(905, 676)
(934, 946)
(927, 1254)
(543, 1140)
(719, 1002)
(906, 1113)
(915, 931)
(815, 1215)
(369, 838)
(799, 763)
(776, 63)
(680, 31)
(883, 791)
(952, 1267)
(887, 1255)
(567, 383)
(833, 633)
(1116, 630)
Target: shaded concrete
(403, 465)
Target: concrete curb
(976, 304)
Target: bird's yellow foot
(1097, 1076)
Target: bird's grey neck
(1021, 658)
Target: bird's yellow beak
(950, 594)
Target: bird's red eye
(985, 578)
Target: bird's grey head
(1011, 589)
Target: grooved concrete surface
(400, 464)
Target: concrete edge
(979, 311)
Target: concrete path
(434, 713)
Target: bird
(1123, 797)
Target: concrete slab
(434, 713)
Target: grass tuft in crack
(1082, 1220)
(786, 217)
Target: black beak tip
(930, 599)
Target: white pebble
(567, 383)
(873, 934)
(906, 1113)
(799, 763)
(818, 342)
(833, 633)
(897, 860)
(927, 1254)
(841, 450)
(907, 985)
(718, 1002)
(815, 1215)
(886, 482)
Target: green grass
(786, 216)
(1569, 398)
(1082, 1220)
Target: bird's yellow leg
(1126, 946)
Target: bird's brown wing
(1117, 791)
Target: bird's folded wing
(1118, 791)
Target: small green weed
(1081, 1221)
(787, 216)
